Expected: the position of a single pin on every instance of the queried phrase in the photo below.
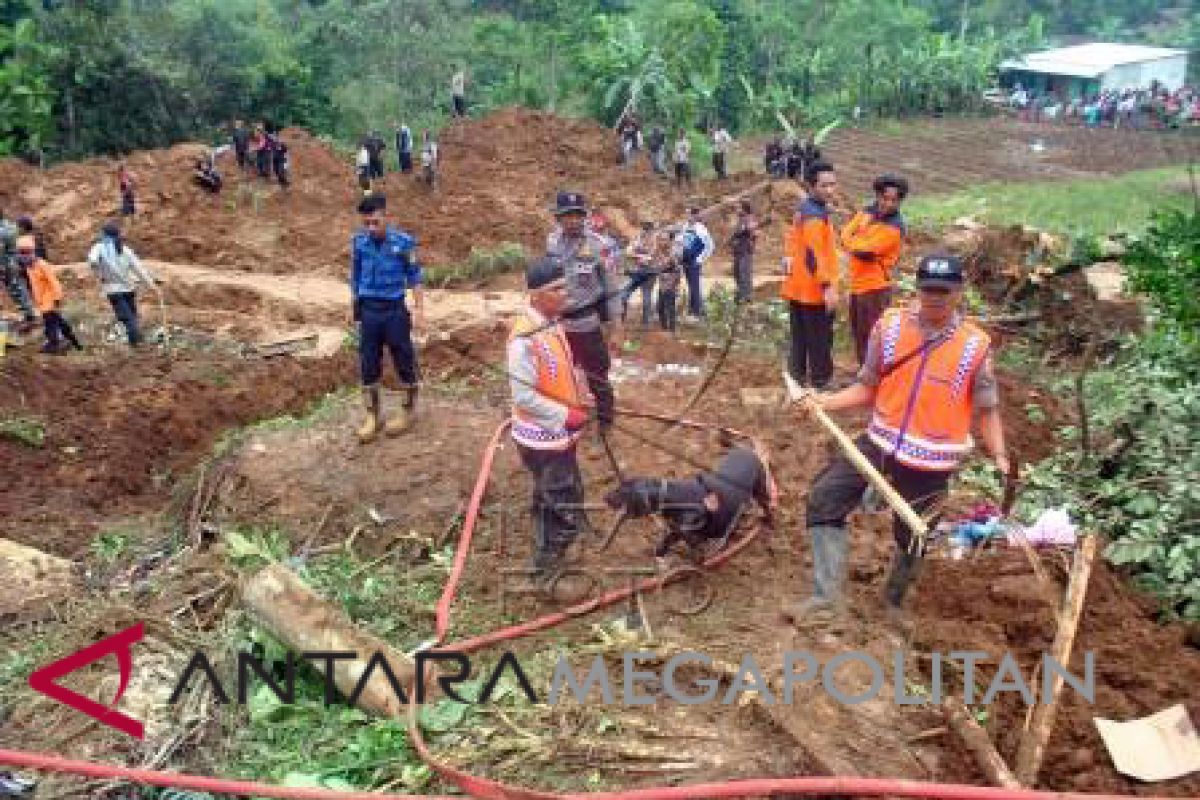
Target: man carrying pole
(927, 373)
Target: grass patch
(481, 264)
(1091, 206)
(23, 430)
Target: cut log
(1033, 742)
(31, 580)
(979, 743)
(305, 622)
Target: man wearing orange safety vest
(548, 417)
(927, 374)
(873, 239)
(810, 284)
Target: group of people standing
(262, 151)
(629, 133)
(33, 286)
(369, 164)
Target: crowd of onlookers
(1152, 107)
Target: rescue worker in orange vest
(47, 296)
(548, 418)
(927, 374)
(874, 239)
(810, 284)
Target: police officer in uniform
(383, 268)
(592, 319)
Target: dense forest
(108, 76)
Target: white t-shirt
(364, 158)
(458, 83)
(721, 140)
(683, 149)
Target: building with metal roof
(1090, 68)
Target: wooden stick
(1033, 743)
(979, 743)
(914, 522)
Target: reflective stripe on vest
(923, 407)
(555, 379)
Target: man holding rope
(547, 418)
(926, 374)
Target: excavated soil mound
(499, 176)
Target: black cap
(371, 203)
(543, 271)
(566, 202)
(111, 228)
(940, 269)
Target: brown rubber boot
(403, 419)
(371, 425)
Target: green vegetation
(110, 77)
(23, 430)
(1095, 207)
(483, 263)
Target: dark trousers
(17, 285)
(719, 164)
(57, 328)
(555, 502)
(279, 163)
(590, 352)
(683, 172)
(865, 311)
(691, 272)
(405, 159)
(128, 204)
(376, 166)
(643, 282)
(812, 344)
(743, 275)
(838, 490)
(243, 157)
(124, 305)
(262, 162)
(460, 105)
(668, 308)
(386, 322)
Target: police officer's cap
(542, 272)
(940, 269)
(568, 202)
(372, 203)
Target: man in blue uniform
(383, 267)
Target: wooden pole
(736, 198)
(913, 520)
(1033, 742)
(979, 743)
(304, 621)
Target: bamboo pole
(1033, 742)
(913, 520)
(979, 743)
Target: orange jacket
(811, 244)
(923, 406)
(874, 243)
(544, 384)
(47, 291)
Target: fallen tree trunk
(979, 743)
(1033, 743)
(735, 198)
(308, 624)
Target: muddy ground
(130, 437)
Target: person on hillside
(282, 163)
(809, 154)
(47, 296)
(16, 281)
(404, 148)
(669, 279)
(262, 152)
(629, 128)
(793, 158)
(721, 141)
(383, 270)
(429, 158)
(362, 167)
(695, 257)
(548, 416)
(774, 158)
(927, 375)
(458, 92)
(120, 273)
(810, 284)
(656, 143)
(375, 146)
(127, 186)
(874, 240)
(206, 175)
(593, 319)
(240, 136)
(25, 227)
(683, 160)
(645, 261)
(743, 243)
